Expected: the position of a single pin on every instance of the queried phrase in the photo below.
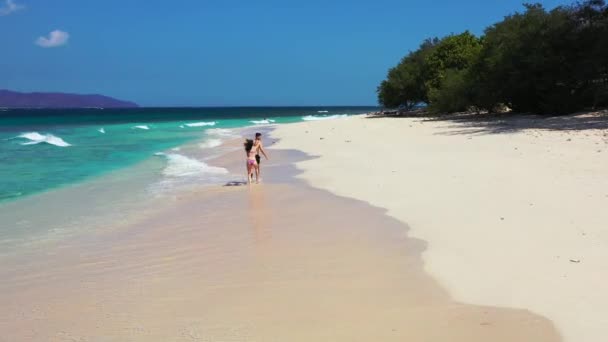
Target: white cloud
(9, 7)
(56, 38)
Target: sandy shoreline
(513, 211)
(278, 262)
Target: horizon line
(202, 106)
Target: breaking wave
(181, 166)
(323, 117)
(37, 138)
(201, 124)
(262, 122)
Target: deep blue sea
(44, 149)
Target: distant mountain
(13, 99)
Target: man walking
(258, 146)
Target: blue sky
(224, 52)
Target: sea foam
(262, 122)
(221, 132)
(323, 117)
(181, 166)
(210, 143)
(37, 138)
(145, 127)
(201, 124)
(101, 130)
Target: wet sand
(274, 262)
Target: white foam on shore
(182, 172)
(181, 166)
(262, 122)
(221, 132)
(37, 138)
(145, 127)
(201, 124)
(210, 143)
(323, 117)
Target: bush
(452, 95)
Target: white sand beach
(513, 211)
(280, 261)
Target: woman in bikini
(251, 162)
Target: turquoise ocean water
(66, 172)
(45, 149)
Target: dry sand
(277, 262)
(514, 211)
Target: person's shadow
(235, 183)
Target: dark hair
(258, 135)
(248, 144)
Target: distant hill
(13, 99)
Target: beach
(279, 261)
(428, 173)
(512, 208)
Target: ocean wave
(262, 122)
(179, 165)
(37, 138)
(210, 143)
(101, 130)
(322, 111)
(323, 117)
(145, 127)
(201, 124)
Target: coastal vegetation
(538, 60)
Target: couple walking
(253, 148)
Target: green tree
(405, 83)
(420, 76)
(591, 42)
(529, 62)
(532, 61)
(447, 67)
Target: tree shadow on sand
(476, 124)
(480, 124)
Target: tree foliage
(405, 85)
(532, 61)
(446, 76)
